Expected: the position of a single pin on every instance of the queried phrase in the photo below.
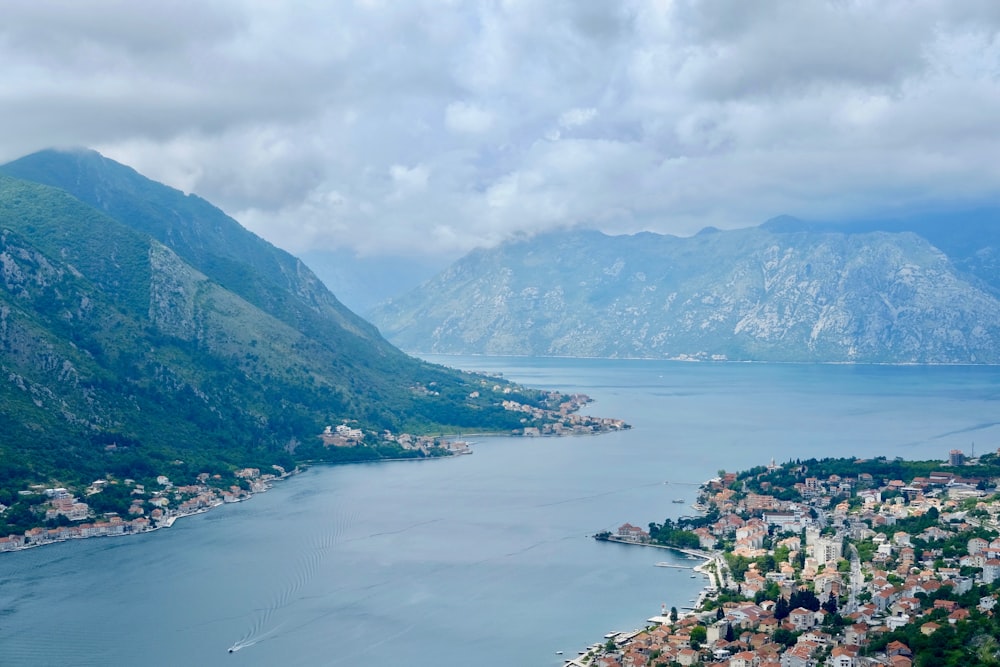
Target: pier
(678, 567)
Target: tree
(673, 614)
(783, 636)
(804, 599)
(781, 554)
(698, 636)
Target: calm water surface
(481, 559)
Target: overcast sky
(433, 126)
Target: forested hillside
(150, 333)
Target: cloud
(468, 118)
(433, 126)
(577, 117)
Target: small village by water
(67, 515)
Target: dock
(664, 563)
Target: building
(801, 619)
(631, 533)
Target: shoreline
(712, 585)
(693, 359)
(166, 522)
(708, 558)
(562, 421)
(125, 528)
(169, 519)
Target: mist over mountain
(784, 291)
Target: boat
(679, 501)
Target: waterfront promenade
(713, 568)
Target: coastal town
(55, 513)
(836, 562)
(150, 507)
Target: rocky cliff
(779, 292)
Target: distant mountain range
(916, 291)
(142, 330)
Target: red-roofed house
(843, 656)
(799, 655)
(958, 615)
(897, 648)
(687, 656)
(745, 659)
(801, 619)
(856, 634)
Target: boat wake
(247, 642)
(310, 561)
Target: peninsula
(147, 499)
(839, 562)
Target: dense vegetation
(157, 336)
(677, 534)
(780, 481)
(968, 642)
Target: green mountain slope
(120, 355)
(205, 237)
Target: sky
(430, 127)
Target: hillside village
(113, 506)
(838, 562)
(150, 506)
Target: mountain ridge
(196, 230)
(119, 357)
(780, 292)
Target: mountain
(969, 237)
(784, 291)
(203, 236)
(143, 331)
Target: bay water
(484, 559)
